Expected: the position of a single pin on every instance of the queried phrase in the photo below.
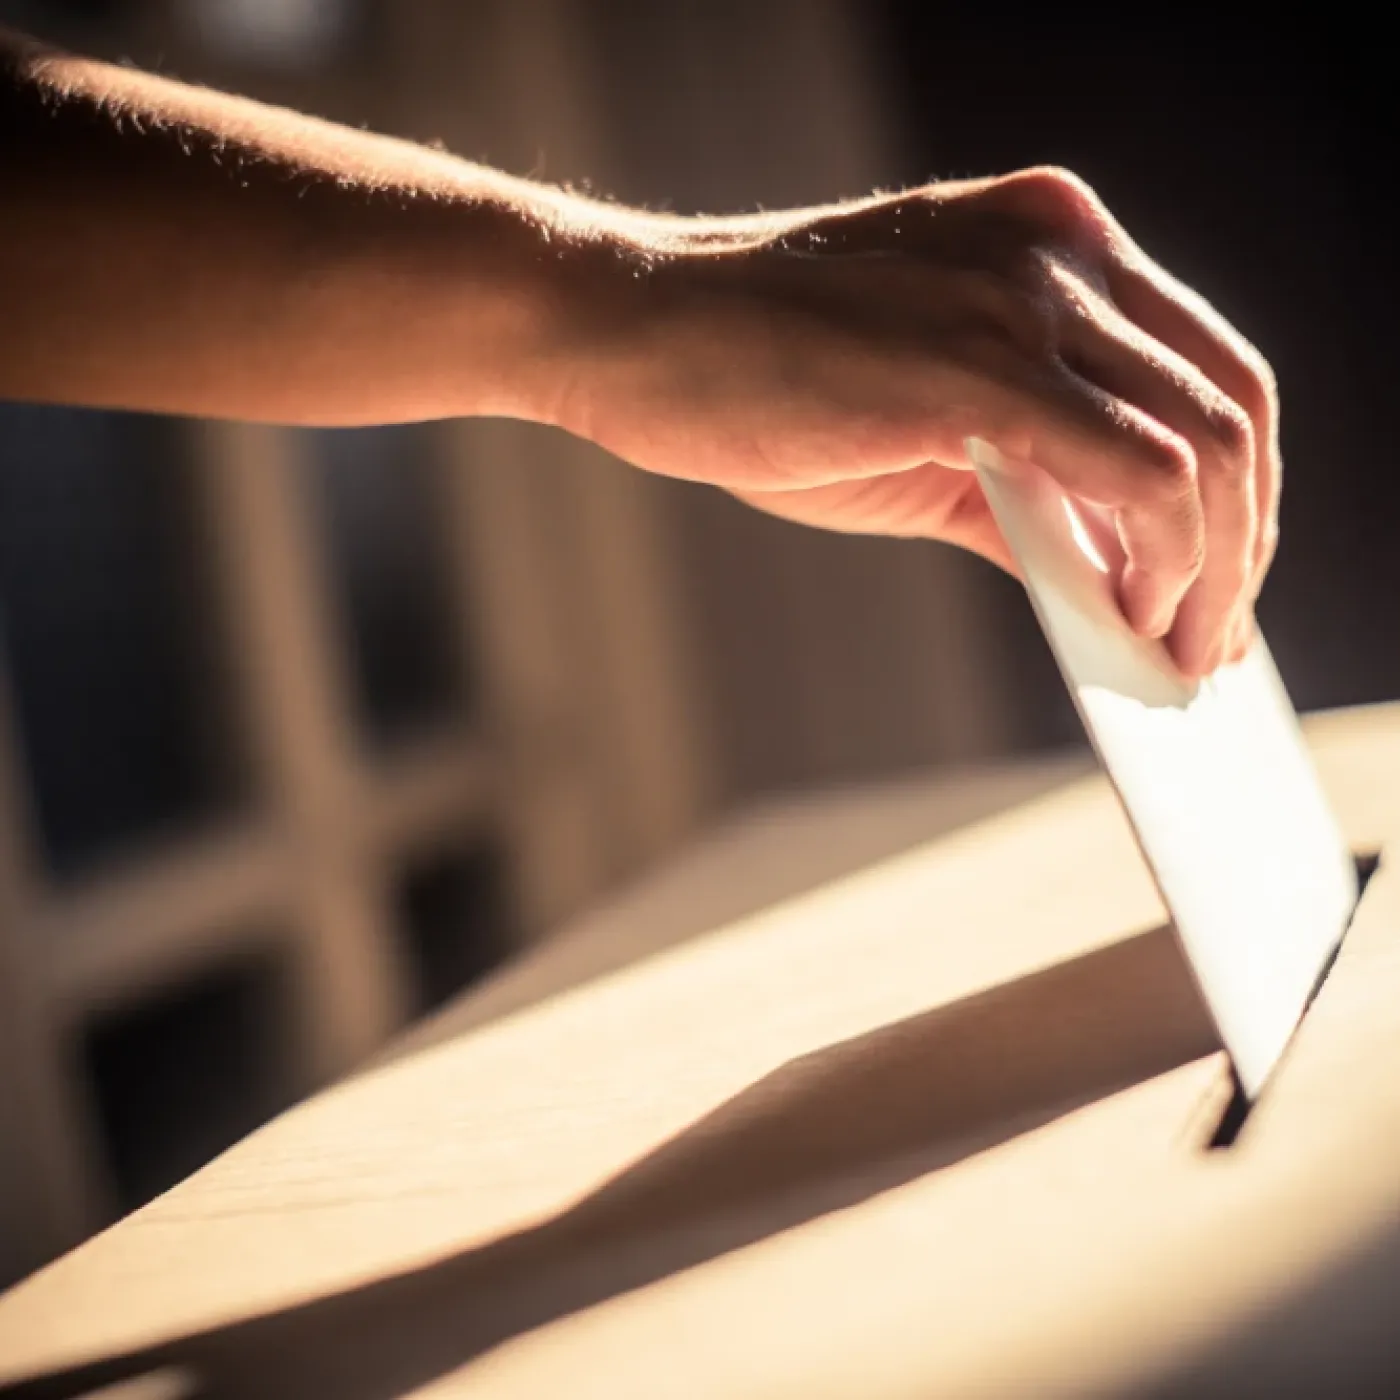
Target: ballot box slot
(1239, 1105)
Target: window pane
(452, 908)
(103, 629)
(181, 1076)
(386, 553)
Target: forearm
(167, 248)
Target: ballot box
(899, 1093)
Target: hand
(828, 365)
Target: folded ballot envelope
(1212, 774)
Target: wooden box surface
(934, 1127)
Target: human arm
(173, 249)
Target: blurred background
(302, 732)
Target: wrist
(537, 286)
(605, 282)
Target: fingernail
(1161, 624)
(1249, 627)
(1239, 636)
(1220, 650)
(1181, 655)
(1147, 614)
(1192, 660)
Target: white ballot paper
(1213, 775)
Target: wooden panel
(51, 1192)
(352, 987)
(145, 925)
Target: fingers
(1185, 322)
(1019, 312)
(1169, 350)
(1122, 420)
(1106, 450)
(1120, 358)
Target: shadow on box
(825, 1131)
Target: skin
(171, 249)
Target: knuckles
(1263, 383)
(1058, 203)
(1262, 372)
(1268, 542)
(1029, 303)
(1169, 473)
(1233, 435)
(1059, 188)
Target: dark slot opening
(1239, 1105)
